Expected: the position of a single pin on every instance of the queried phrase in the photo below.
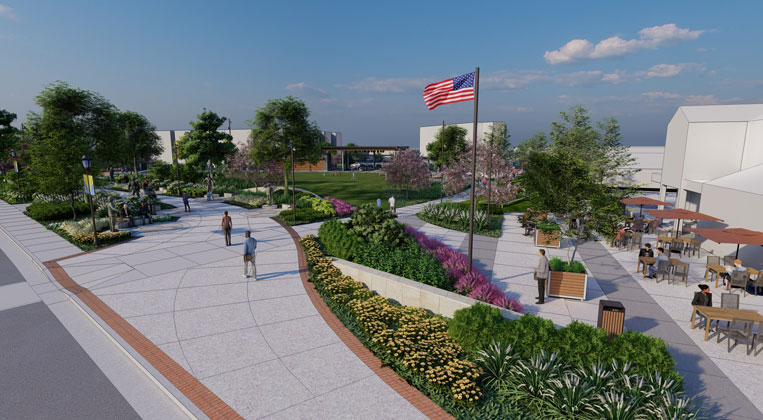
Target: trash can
(611, 317)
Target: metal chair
(728, 260)
(625, 240)
(692, 248)
(635, 241)
(663, 268)
(738, 330)
(676, 247)
(729, 300)
(681, 270)
(712, 260)
(739, 278)
(758, 283)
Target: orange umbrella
(642, 201)
(681, 214)
(731, 236)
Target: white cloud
(7, 12)
(649, 38)
(701, 100)
(305, 88)
(671, 70)
(391, 85)
(660, 95)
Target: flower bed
(342, 207)
(514, 376)
(456, 217)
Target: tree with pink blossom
(241, 164)
(493, 174)
(408, 171)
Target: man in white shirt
(392, 204)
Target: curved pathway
(260, 346)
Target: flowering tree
(242, 163)
(494, 174)
(408, 171)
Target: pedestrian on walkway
(186, 206)
(227, 226)
(541, 274)
(250, 252)
(378, 202)
(392, 204)
(144, 213)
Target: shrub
(161, 171)
(104, 238)
(454, 216)
(376, 225)
(557, 264)
(248, 200)
(50, 211)
(193, 190)
(308, 215)
(342, 207)
(338, 240)
(406, 260)
(474, 328)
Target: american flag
(457, 89)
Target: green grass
(364, 189)
(519, 205)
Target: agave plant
(663, 386)
(496, 362)
(532, 378)
(613, 405)
(674, 407)
(597, 376)
(570, 396)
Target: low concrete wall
(410, 293)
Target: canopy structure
(737, 236)
(641, 201)
(681, 214)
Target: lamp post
(86, 162)
(16, 169)
(293, 187)
(177, 164)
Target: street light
(293, 188)
(16, 169)
(177, 165)
(86, 162)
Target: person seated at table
(703, 297)
(646, 251)
(727, 275)
(653, 267)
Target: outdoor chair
(625, 240)
(738, 330)
(652, 226)
(692, 248)
(729, 300)
(681, 270)
(712, 260)
(635, 241)
(663, 268)
(739, 279)
(676, 248)
(758, 283)
(728, 260)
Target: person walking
(250, 252)
(392, 204)
(227, 226)
(186, 206)
(378, 202)
(541, 274)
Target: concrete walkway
(258, 345)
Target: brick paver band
(413, 395)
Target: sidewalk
(260, 346)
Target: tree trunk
(135, 166)
(574, 250)
(285, 181)
(71, 202)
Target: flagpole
(474, 164)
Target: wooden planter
(567, 285)
(552, 239)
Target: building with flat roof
(427, 133)
(714, 159)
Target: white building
(648, 168)
(427, 133)
(714, 158)
(240, 139)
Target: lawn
(364, 189)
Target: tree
(408, 170)
(7, 131)
(570, 180)
(241, 163)
(204, 143)
(493, 166)
(141, 141)
(455, 144)
(281, 124)
(355, 156)
(498, 138)
(535, 143)
(72, 122)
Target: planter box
(228, 195)
(411, 293)
(567, 285)
(552, 239)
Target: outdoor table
(720, 269)
(662, 241)
(722, 314)
(650, 260)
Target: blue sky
(362, 68)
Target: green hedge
(557, 264)
(339, 241)
(406, 260)
(47, 212)
(474, 328)
(303, 216)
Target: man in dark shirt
(646, 251)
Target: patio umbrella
(681, 214)
(641, 201)
(737, 236)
